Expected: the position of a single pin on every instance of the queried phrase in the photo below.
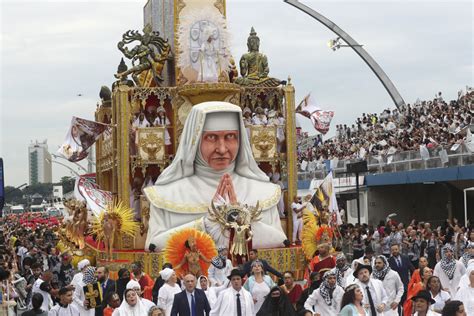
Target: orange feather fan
(176, 249)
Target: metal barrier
(400, 161)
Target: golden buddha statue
(254, 66)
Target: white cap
(83, 263)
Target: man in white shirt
(375, 298)
(64, 308)
(235, 300)
(326, 300)
(391, 282)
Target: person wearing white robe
(321, 301)
(172, 210)
(343, 271)
(391, 282)
(131, 305)
(78, 276)
(141, 121)
(464, 282)
(449, 270)
(64, 308)
(79, 297)
(466, 294)
(209, 59)
(220, 268)
(162, 120)
(134, 285)
(260, 118)
(226, 304)
(204, 284)
(168, 290)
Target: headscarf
(166, 273)
(340, 271)
(380, 275)
(183, 164)
(219, 261)
(448, 265)
(198, 285)
(126, 310)
(89, 276)
(132, 284)
(325, 289)
(276, 306)
(466, 256)
(82, 264)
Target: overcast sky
(51, 51)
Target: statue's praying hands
(225, 192)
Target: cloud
(52, 50)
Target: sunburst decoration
(124, 217)
(175, 249)
(310, 227)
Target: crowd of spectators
(431, 123)
(405, 269)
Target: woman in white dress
(168, 290)
(258, 284)
(131, 305)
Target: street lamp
(335, 44)
(378, 71)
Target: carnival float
(145, 203)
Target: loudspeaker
(357, 167)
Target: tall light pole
(381, 75)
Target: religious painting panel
(263, 140)
(151, 145)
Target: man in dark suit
(191, 301)
(402, 265)
(108, 286)
(253, 255)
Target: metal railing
(400, 161)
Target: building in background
(39, 163)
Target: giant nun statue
(214, 159)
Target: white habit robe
(377, 291)
(394, 288)
(58, 310)
(316, 302)
(226, 303)
(451, 285)
(166, 297)
(182, 194)
(466, 295)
